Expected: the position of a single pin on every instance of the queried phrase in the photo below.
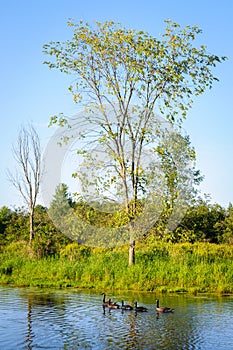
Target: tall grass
(164, 267)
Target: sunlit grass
(164, 267)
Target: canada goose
(162, 309)
(126, 306)
(105, 303)
(112, 305)
(139, 308)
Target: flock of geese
(113, 305)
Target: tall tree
(27, 153)
(124, 77)
(60, 204)
(177, 159)
(227, 236)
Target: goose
(139, 308)
(126, 306)
(162, 309)
(105, 303)
(112, 305)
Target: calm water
(45, 319)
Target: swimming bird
(112, 305)
(139, 308)
(126, 306)
(162, 309)
(105, 303)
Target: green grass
(162, 267)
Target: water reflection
(29, 335)
(45, 319)
(40, 305)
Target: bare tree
(27, 153)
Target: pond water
(58, 319)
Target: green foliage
(74, 251)
(60, 204)
(126, 77)
(52, 260)
(47, 241)
(14, 225)
(115, 62)
(204, 221)
(5, 216)
(162, 267)
(226, 227)
(93, 215)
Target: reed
(164, 267)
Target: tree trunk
(131, 253)
(31, 219)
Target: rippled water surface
(45, 319)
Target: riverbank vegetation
(196, 257)
(163, 267)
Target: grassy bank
(164, 267)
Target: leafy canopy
(125, 78)
(115, 64)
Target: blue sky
(30, 92)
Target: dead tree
(27, 153)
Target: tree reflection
(29, 334)
(37, 303)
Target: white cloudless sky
(30, 92)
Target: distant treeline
(203, 222)
(195, 257)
